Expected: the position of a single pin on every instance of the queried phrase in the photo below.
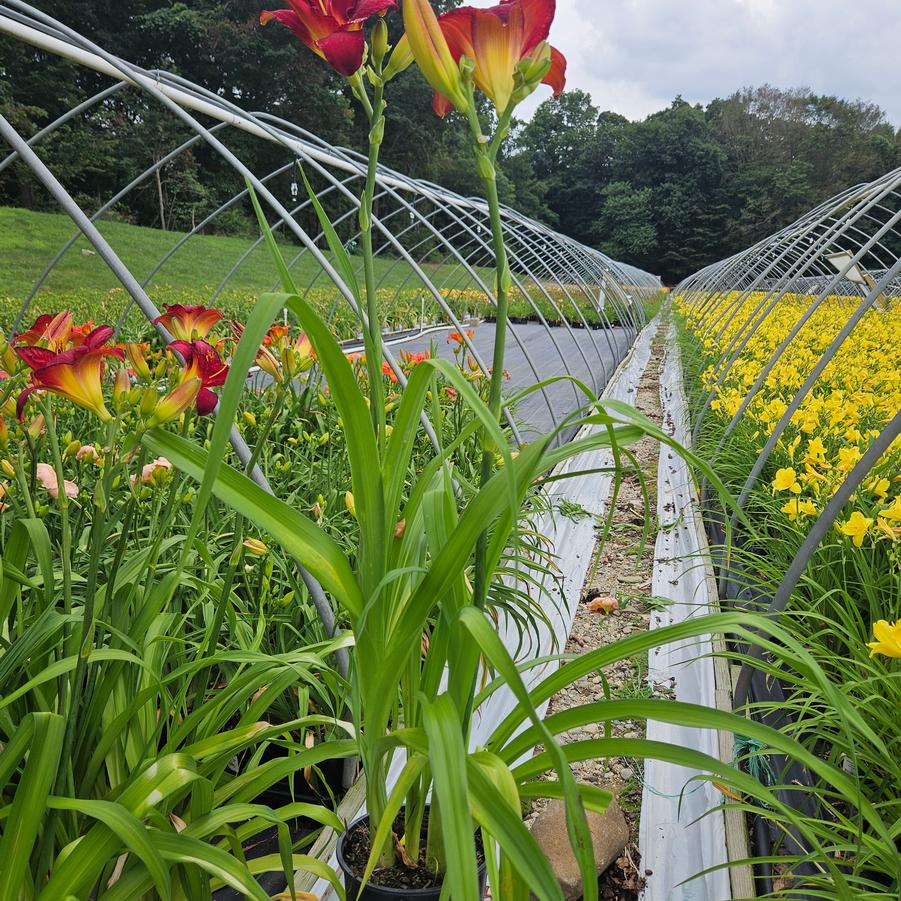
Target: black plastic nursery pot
(325, 782)
(373, 891)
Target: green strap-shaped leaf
(130, 831)
(80, 863)
(297, 534)
(287, 281)
(506, 827)
(576, 824)
(42, 740)
(336, 246)
(447, 757)
(25, 534)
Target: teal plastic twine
(750, 752)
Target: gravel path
(621, 570)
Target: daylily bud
(137, 359)
(36, 427)
(532, 69)
(249, 418)
(7, 467)
(401, 59)
(175, 402)
(485, 167)
(350, 503)
(430, 49)
(4, 434)
(149, 398)
(316, 511)
(467, 69)
(255, 547)
(379, 42)
(400, 528)
(324, 439)
(72, 448)
(121, 391)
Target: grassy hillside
(28, 241)
(83, 283)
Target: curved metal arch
(540, 256)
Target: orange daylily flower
(500, 40)
(188, 323)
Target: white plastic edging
(682, 830)
(574, 542)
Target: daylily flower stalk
(503, 52)
(333, 29)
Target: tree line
(680, 189)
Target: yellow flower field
(857, 394)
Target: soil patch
(357, 849)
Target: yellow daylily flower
(856, 527)
(787, 480)
(888, 639)
(796, 508)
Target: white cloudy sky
(634, 56)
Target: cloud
(635, 56)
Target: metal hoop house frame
(848, 246)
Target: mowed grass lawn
(29, 241)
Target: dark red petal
(344, 50)
(556, 76)
(206, 402)
(183, 348)
(36, 357)
(363, 9)
(291, 20)
(22, 400)
(538, 15)
(99, 337)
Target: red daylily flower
(203, 363)
(188, 323)
(76, 373)
(498, 40)
(332, 29)
(52, 330)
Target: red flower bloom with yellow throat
(51, 330)
(76, 373)
(332, 29)
(202, 363)
(500, 40)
